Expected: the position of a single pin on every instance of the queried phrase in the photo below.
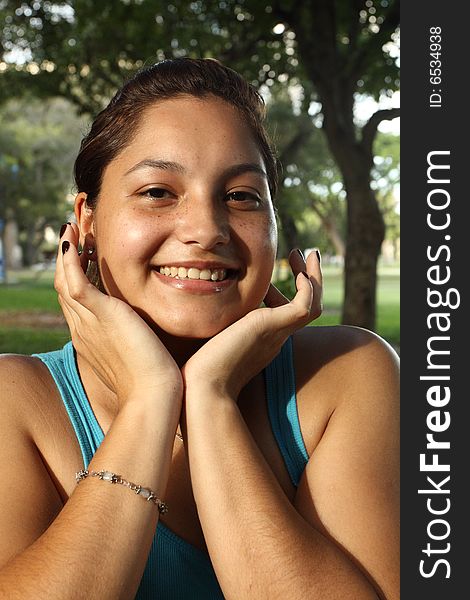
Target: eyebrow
(152, 163)
(168, 165)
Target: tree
(331, 49)
(38, 143)
(339, 52)
(309, 182)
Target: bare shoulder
(19, 364)
(28, 401)
(19, 375)
(31, 406)
(345, 355)
(348, 401)
(327, 347)
(31, 500)
(24, 381)
(339, 366)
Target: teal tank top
(176, 569)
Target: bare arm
(326, 545)
(261, 547)
(96, 546)
(350, 489)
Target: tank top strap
(62, 366)
(282, 411)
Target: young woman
(222, 448)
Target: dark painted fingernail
(62, 229)
(318, 256)
(299, 251)
(65, 246)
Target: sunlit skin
(190, 189)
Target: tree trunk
(331, 230)
(335, 78)
(365, 223)
(365, 235)
(334, 235)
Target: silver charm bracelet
(146, 493)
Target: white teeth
(205, 274)
(194, 273)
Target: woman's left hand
(229, 360)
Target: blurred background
(329, 73)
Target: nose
(204, 222)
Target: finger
(297, 312)
(69, 236)
(83, 254)
(313, 269)
(302, 301)
(67, 232)
(274, 297)
(76, 290)
(297, 261)
(70, 316)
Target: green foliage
(85, 49)
(38, 143)
(330, 53)
(386, 179)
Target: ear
(84, 216)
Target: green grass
(30, 293)
(30, 341)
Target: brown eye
(243, 197)
(156, 193)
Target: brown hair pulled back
(114, 127)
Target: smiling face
(184, 225)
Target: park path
(33, 319)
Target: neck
(181, 349)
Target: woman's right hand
(121, 348)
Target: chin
(199, 333)
(191, 326)
(195, 330)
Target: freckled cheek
(261, 242)
(264, 245)
(128, 239)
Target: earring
(89, 246)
